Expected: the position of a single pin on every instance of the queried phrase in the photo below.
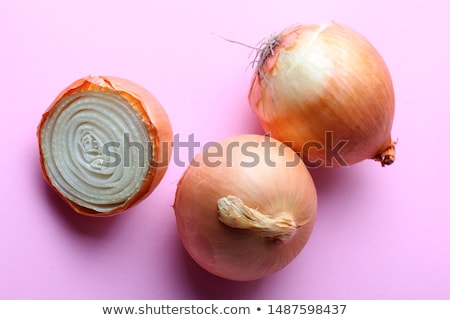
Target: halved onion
(105, 144)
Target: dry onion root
(105, 144)
(325, 90)
(245, 207)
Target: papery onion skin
(153, 117)
(312, 79)
(275, 191)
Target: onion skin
(153, 116)
(278, 192)
(313, 79)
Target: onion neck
(387, 157)
(235, 214)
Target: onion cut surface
(105, 144)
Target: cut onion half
(105, 144)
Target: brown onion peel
(71, 154)
(315, 78)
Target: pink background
(381, 233)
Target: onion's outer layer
(273, 181)
(83, 137)
(316, 83)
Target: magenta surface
(381, 233)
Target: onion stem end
(387, 157)
(235, 214)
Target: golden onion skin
(278, 190)
(327, 91)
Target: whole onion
(326, 91)
(245, 207)
(105, 144)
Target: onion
(326, 91)
(105, 144)
(245, 207)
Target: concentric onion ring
(105, 144)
